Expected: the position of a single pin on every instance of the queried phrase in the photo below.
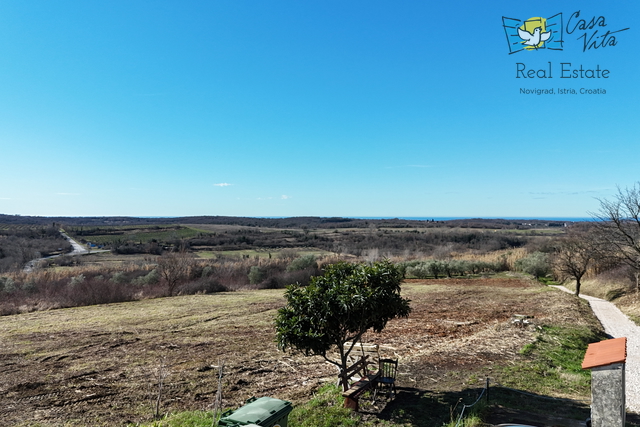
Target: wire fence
(485, 393)
(485, 390)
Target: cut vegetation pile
(99, 365)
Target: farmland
(96, 365)
(84, 339)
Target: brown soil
(99, 365)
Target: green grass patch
(549, 366)
(548, 281)
(139, 234)
(325, 409)
(553, 362)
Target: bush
(81, 292)
(256, 275)
(537, 264)
(7, 285)
(30, 286)
(203, 286)
(206, 271)
(420, 271)
(150, 278)
(304, 262)
(76, 280)
(118, 277)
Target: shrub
(256, 275)
(76, 280)
(7, 285)
(537, 264)
(420, 271)
(151, 278)
(91, 291)
(30, 286)
(204, 285)
(206, 271)
(307, 261)
(118, 277)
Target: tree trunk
(577, 286)
(343, 369)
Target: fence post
(487, 391)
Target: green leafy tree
(339, 307)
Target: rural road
(617, 324)
(78, 249)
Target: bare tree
(173, 268)
(574, 256)
(619, 226)
(160, 374)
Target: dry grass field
(99, 365)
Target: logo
(534, 33)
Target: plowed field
(99, 365)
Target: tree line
(19, 245)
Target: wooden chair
(387, 378)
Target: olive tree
(535, 264)
(339, 307)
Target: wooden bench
(366, 382)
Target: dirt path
(78, 249)
(617, 324)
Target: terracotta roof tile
(605, 353)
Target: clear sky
(319, 108)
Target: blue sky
(321, 108)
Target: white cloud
(283, 197)
(222, 184)
(5, 198)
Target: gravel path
(618, 325)
(78, 249)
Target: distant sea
(449, 218)
(429, 218)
